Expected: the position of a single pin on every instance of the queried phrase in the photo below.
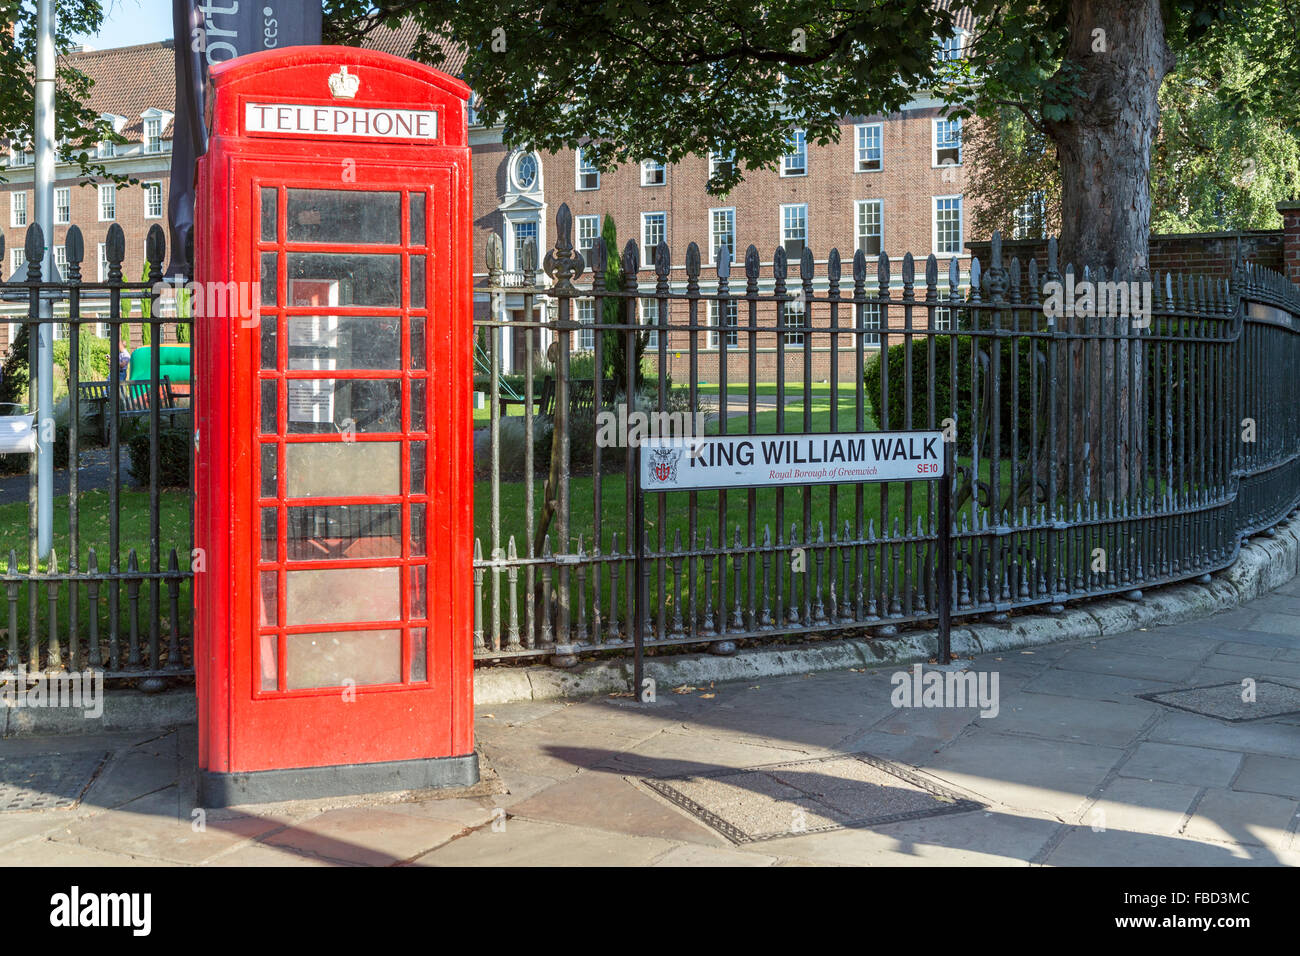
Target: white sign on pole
(774, 461)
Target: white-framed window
(653, 173)
(18, 208)
(943, 318)
(523, 232)
(587, 316)
(794, 229)
(105, 149)
(103, 263)
(721, 163)
(107, 202)
(947, 225)
(722, 316)
(947, 141)
(950, 47)
(871, 225)
(871, 320)
(61, 261)
(654, 230)
(17, 265)
(588, 231)
(722, 232)
(153, 201)
(649, 315)
(524, 172)
(795, 162)
(586, 175)
(153, 141)
(870, 149)
(62, 205)
(1030, 216)
(796, 320)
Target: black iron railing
(1098, 453)
(112, 592)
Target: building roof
(400, 41)
(130, 80)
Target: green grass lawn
(174, 515)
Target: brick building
(894, 183)
(135, 89)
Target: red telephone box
(333, 466)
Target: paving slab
(1286, 622)
(1251, 819)
(1068, 718)
(981, 838)
(1022, 772)
(48, 853)
(1276, 775)
(608, 801)
(673, 754)
(1252, 666)
(1272, 737)
(1238, 635)
(713, 856)
(150, 828)
(131, 775)
(260, 855)
(366, 835)
(1175, 763)
(1106, 660)
(1086, 847)
(1264, 652)
(1163, 643)
(1091, 686)
(1141, 806)
(530, 843)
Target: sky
(128, 22)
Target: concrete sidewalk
(1076, 768)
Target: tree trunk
(1118, 51)
(1118, 57)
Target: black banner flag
(213, 32)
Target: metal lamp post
(46, 146)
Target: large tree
(676, 77)
(78, 127)
(1226, 152)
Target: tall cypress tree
(614, 343)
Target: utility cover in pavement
(808, 796)
(47, 781)
(1224, 701)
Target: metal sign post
(795, 461)
(639, 601)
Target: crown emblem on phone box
(344, 85)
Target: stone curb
(123, 710)
(1267, 561)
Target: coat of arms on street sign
(663, 464)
